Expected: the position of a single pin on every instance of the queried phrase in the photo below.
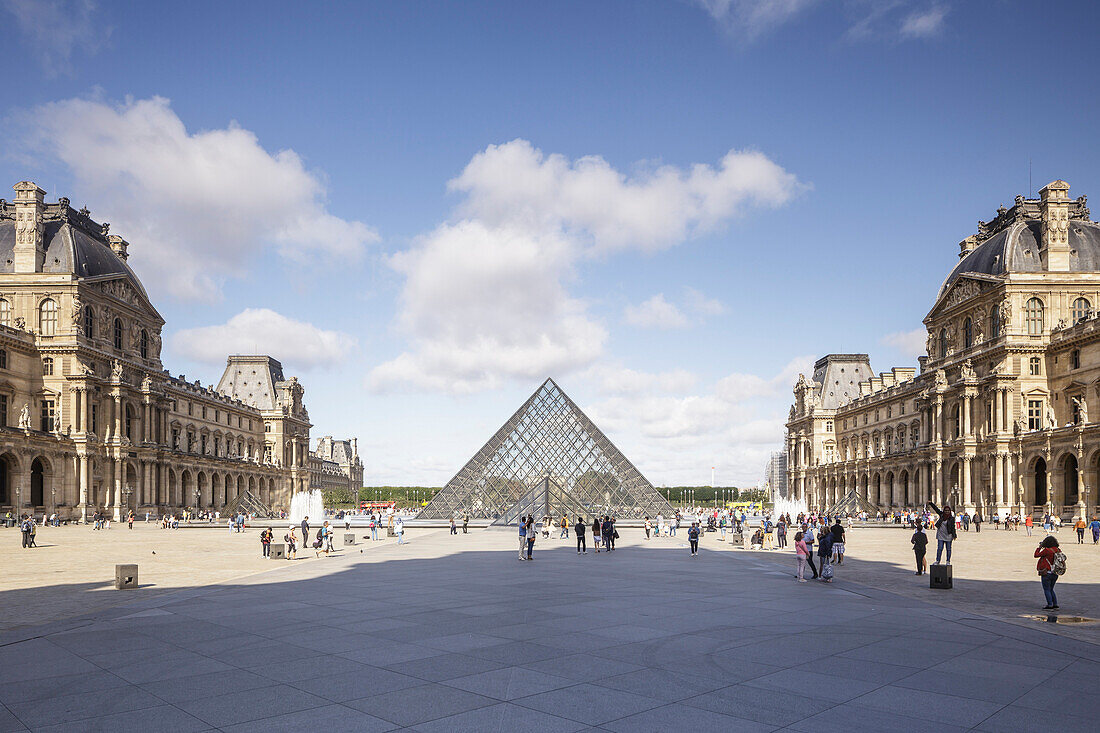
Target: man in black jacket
(579, 528)
(920, 546)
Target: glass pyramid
(549, 459)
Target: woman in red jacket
(1045, 552)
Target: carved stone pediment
(962, 290)
(120, 290)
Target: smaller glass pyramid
(549, 459)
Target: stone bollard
(349, 538)
(126, 577)
(278, 552)
(390, 532)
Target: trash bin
(349, 538)
(126, 577)
(278, 552)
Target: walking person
(305, 531)
(920, 546)
(579, 529)
(647, 526)
(1080, 527)
(465, 522)
(838, 542)
(1094, 525)
(130, 519)
(945, 531)
(780, 532)
(605, 531)
(1051, 561)
(693, 538)
(25, 525)
(808, 538)
(1027, 524)
(330, 532)
(614, 533)
(564, 529)
(399, 529)
(825, 555)
(522, 538)
(977, 522)
(530, 537)
(265, 541)
(801, 552)
(454, 527)
(291, 540)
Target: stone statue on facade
(1052, 422)
(940, 378)
(979, 331)
(930, 345)
(25, 417)
(20, 323)
(116, 370)
(967, 370)
(1082, 410)
(1019, 426)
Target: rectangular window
(1034, 414)
(889, 411)
(47, 367)
(203, 445)
(3, 358)
(94, 418)
(190, 408)
(1075, 359)
(1033, 366)
(47, 415)
(3, 410)
(176, 438)
(902, 408)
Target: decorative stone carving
(978, 330)
(25, 417)
(1051, 421)
(1019, 426)
(940, 378)
(1005, 312)
(1082, 410)
(967, 370)
(963, 290)
(930, 345)
(78, 312)
(20, 323)
(116, 370)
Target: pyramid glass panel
(549, 459)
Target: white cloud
(656, 312)
(53, 29)
(910, 344)
(516, 184)
(618, 380)
(702, 305)
(197, 207)
(263, 331)
(752, 18)
(922, 24)
(486, 297)
(737, 421)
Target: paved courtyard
(453, 633)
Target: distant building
(775, 476)
(336, 465)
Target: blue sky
(671, 207)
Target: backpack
(1058, 563)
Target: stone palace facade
(335, 465)
(997, 415)
(89, 418)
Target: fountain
(307, 504)
(789, 506)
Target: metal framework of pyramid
(851, 503)
(548, 459)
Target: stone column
(994, 412)
(938, 419)
(964, 480)
(84, 477)
(966, 416)
(996, 482)
(1004, 410)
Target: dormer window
(1082, 309)
(47, 317)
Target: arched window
(47, 317)
(144, 344)
(968, 334)
(118, 334)
(1033, 314)
(943, 343)
(5, 312)
(1082, 308)
(994, 322)
(89, 322)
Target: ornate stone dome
(74, 245)
(1012, 241)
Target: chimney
(968, 245)
(355, 446)
(1054, 212)
(30, 248)
(118, 246)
